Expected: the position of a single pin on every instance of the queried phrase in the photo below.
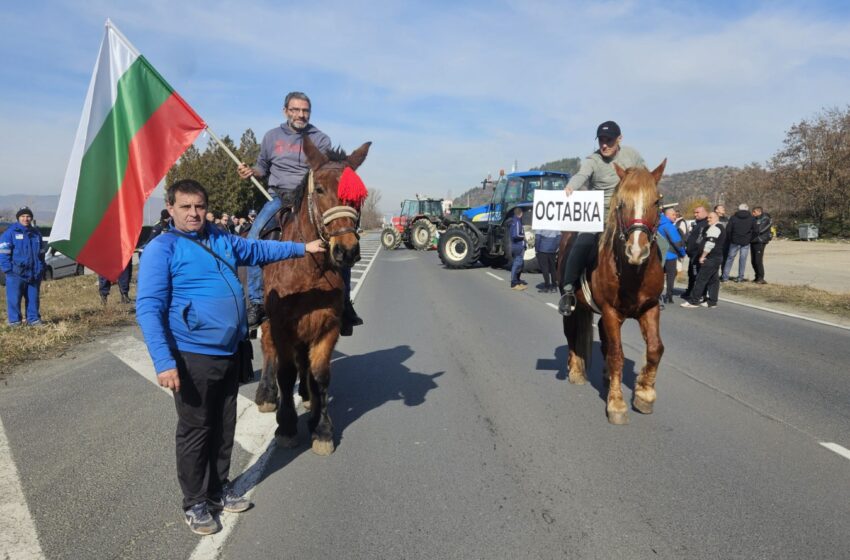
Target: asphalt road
(458, 436)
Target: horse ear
(315, 157)
(358, 156)
(659, 171)
(620, 171)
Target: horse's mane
(633, 185)
(334, 154)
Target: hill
(699, 183)
(44, 207)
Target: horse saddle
(274, 227)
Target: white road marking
(843, 451)
(785, 313)
(253, 428)
(356, 289)
(18, 538)
(497, 277)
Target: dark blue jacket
(517, 234)
(545, 242)
(189, 301)
(671, 233)
(22, 252)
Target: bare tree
(370, 213)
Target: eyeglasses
(298, 110)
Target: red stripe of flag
(152, 152)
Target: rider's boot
(576, 260)
(256, 314)
(349, 319)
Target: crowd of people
(230, 222)
(715, 241)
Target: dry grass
(804, 297)
(72, 313)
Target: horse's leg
(603, 346)
(320, 369)
(286, 434)
(579, 333)
(644, 395)
(303, 364)
(612, 323)
(266, 396)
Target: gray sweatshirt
(281, 157)
(598, 173)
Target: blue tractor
(480, 233)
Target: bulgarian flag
(134, 127)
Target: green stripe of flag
(141, 91)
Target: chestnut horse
(625, 282)
(304, 300)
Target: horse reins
(335, 213)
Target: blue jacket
(547, 241)
(669, 230)
(517, 234)
(189, 301)
(22, 252)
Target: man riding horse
(283, 161)
(597, 172)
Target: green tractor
(416, 225)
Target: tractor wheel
(389, 239)
(421, 234)
(497, 261)
(457, 248)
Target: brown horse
(304, 301)
(625, 282)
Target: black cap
(608, 129)
(23, 211)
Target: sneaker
(689, 305)
(703, 304)
(15, 325)
(518, 287)
(737, 280)
(230, 502)
(200, 520)
(256, 314)
(759, 281)
(36, 323)
(724, 279)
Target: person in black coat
(695, 240)
(546, 248)
(740, 231)
(517, 235)
(763, 235)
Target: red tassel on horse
(351, 188)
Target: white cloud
(451, 92)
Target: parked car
(59, 265)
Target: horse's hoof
(642, 406)
(618, 418)
(286, 442)
(322, 447)
(267, 407)
(578, 379)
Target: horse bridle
(335, 213)
(637, 224)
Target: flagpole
(238, 162)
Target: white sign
(581, 211)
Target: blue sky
(447, 91)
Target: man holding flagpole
(282, 160)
